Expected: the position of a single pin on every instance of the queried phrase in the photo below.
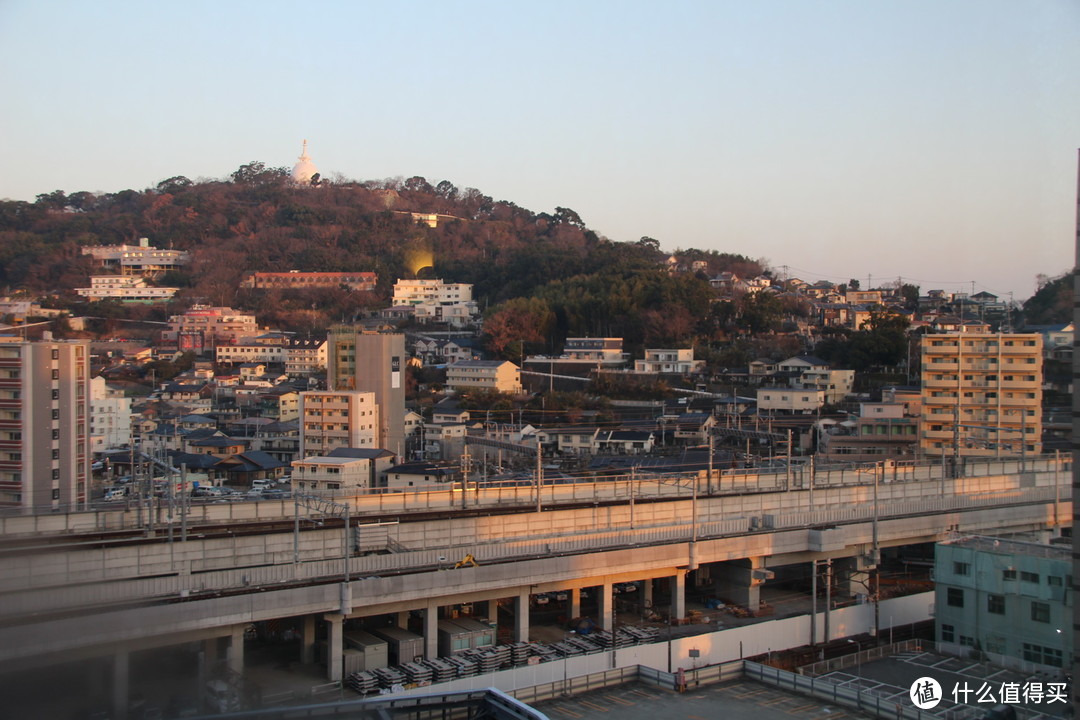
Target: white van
(262, 484)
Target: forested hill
(257, 220)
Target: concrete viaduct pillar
(647, 589)
(236, 650)
(853, 574)
(334, 646)
(431, 631)
(521, 616)
(739, 581)
(607, 609)
(121, 677)
(678, 594)
(307, 640)
(575, 603)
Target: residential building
(350, 471)
(268, 348)
(789, 400)
(882, 431)
(110, 416)
(375, 363)
(1005, 598)
(44, 424)
(305, 357)
(674, 362)
(499, 375)
(141, 259)
(203, 326)
(436, 301)
(296, 280)
(124, 287)
(604, 351)
(981, 394)
(420, 475)
(337, 419)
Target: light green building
(1005, 598)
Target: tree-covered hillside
(259, 221)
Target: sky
(934, 142)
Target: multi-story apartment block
(499, 375)
(675, 361)
(124, 287)
(110, 416)
(305, 357)
(296, 280)
(203, 326)
(981, 394)
(141, 259)
(347, 472)
(375, 363)
(44, 424)
(1005, 598)
(436, 301)
(605, 351)
(337, 419)
(268, 349)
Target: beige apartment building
(981, 394)
(499, 375)
(337, 419)
(44, 424)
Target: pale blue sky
(930, 139)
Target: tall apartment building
(110, 416)
(44, 423)
(141, 259)
(981, 394)
(375, 363)
(341, 419)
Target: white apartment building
(608, 350)
(679, 361)
(110, 416)
(141, 259)
(337, 419)
(124, 287)
(436, 301)
(321, 473)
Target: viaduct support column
(739, 581)
(121, 677)
(575, 603)
(431, 631)
(521, 616)
(678, 594)
(334, 649)
(236, 650)
(493, 612)
(853, 575)
(403, 619)
(607, 611)
(646, 589)
(307, 640)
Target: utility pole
(539, 472)
(711, 443)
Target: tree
(853, 284)
(517, 322)
(256, 173)
(174, 184)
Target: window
(967, 641)
(1053, 580)
(55, 394)
(1029, 576)
(1042, 655)
(55, 374)
(955, 597)
(947, 633)
(961, 568)
(1040, 612)
(995, 604)
(1008, 574)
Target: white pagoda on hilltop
(304, 169)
